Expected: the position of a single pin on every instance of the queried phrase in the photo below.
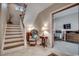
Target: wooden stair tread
(7, 42)
(15, 30)
(14, 37)
(13, 44)
(13, 33)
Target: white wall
(69, 16)
(15, 14)
(0, 11)
(3, 19)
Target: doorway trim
(52, 21)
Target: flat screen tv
(67, 26)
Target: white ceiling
(32, 10)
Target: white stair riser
(13, 36)
(10, 40)
(13, 30)
(12, 27)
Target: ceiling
(32, 10)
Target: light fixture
(45, 29)
(45, 25)
(30, 27)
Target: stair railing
(22, 24)
(23, 30)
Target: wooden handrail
(23, 29)
(22, 15)
(21, 18)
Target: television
(67, 26)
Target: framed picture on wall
(67, 26)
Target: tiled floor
(67, 47)
(31, 51)
(60, 48)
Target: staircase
(13, 38)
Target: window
(19, 8)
